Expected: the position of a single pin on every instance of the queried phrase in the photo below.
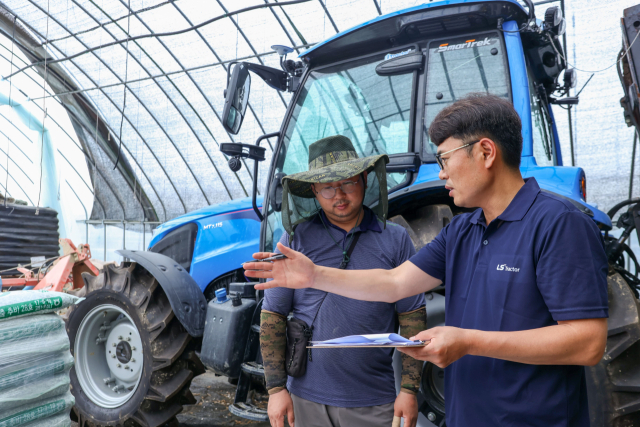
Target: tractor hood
(405, 26)
(213, 210)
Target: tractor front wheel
(134, 364)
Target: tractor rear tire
(134, 360)
(613, 384)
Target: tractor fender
(187, 300)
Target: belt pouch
(298, 335)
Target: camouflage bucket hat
(332, 159)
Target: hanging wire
(596, 71)
(124, 100)
(13, 39)
(156, 35)
(88, 30)
(44, 107)
(95, 138)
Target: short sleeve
(405, 252)
(571, 268)
(405, 248)
(279, 300)
(432, 258)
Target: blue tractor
(152, 323)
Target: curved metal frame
(178, 109)
(113, 102)
(85, 103)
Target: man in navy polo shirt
(525, 276)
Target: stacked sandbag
(34, 360)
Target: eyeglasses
(442, 162)
(346, 187)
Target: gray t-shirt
(346, 377)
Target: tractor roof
(449, 17)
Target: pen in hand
(271, 258)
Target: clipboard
(398, 345)
(368, 341)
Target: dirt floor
(214, 396)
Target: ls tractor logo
(504, 267)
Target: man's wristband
(408, 391)
(275, 390)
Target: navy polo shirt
(541, 261)
(346, 377)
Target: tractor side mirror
(236, 98)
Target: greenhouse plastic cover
(171, 131)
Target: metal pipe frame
(144, 36)
(88, 30)
(17, 183)
(126, 117)
(156, 76)
(132, 93)
(17, 165)
(170, 100)
(230, 16)
(85, 104)
(50, 95)
(187, 101)
(184, 70)
(124, 223)
(86, 226)
(81, 124)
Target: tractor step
(248, 411)
(253, 368)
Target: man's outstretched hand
(295, 272)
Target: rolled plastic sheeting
(35, 391)
(34, 362)
(60, 364)
(60, 420)
(37, 411)
(24, 303)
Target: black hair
(480, 115)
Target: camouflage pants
(311, 414)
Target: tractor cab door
(375, 112)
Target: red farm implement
(66, 269)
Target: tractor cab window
(352, 100)
(457, 67)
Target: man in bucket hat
(324, 214)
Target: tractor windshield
(350, 100)
(458, 67)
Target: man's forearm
(568, 343)
(273, 342)
(298, 271)
(374, 285)
(365, 285)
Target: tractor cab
(383, 82)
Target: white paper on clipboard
(372, 340)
